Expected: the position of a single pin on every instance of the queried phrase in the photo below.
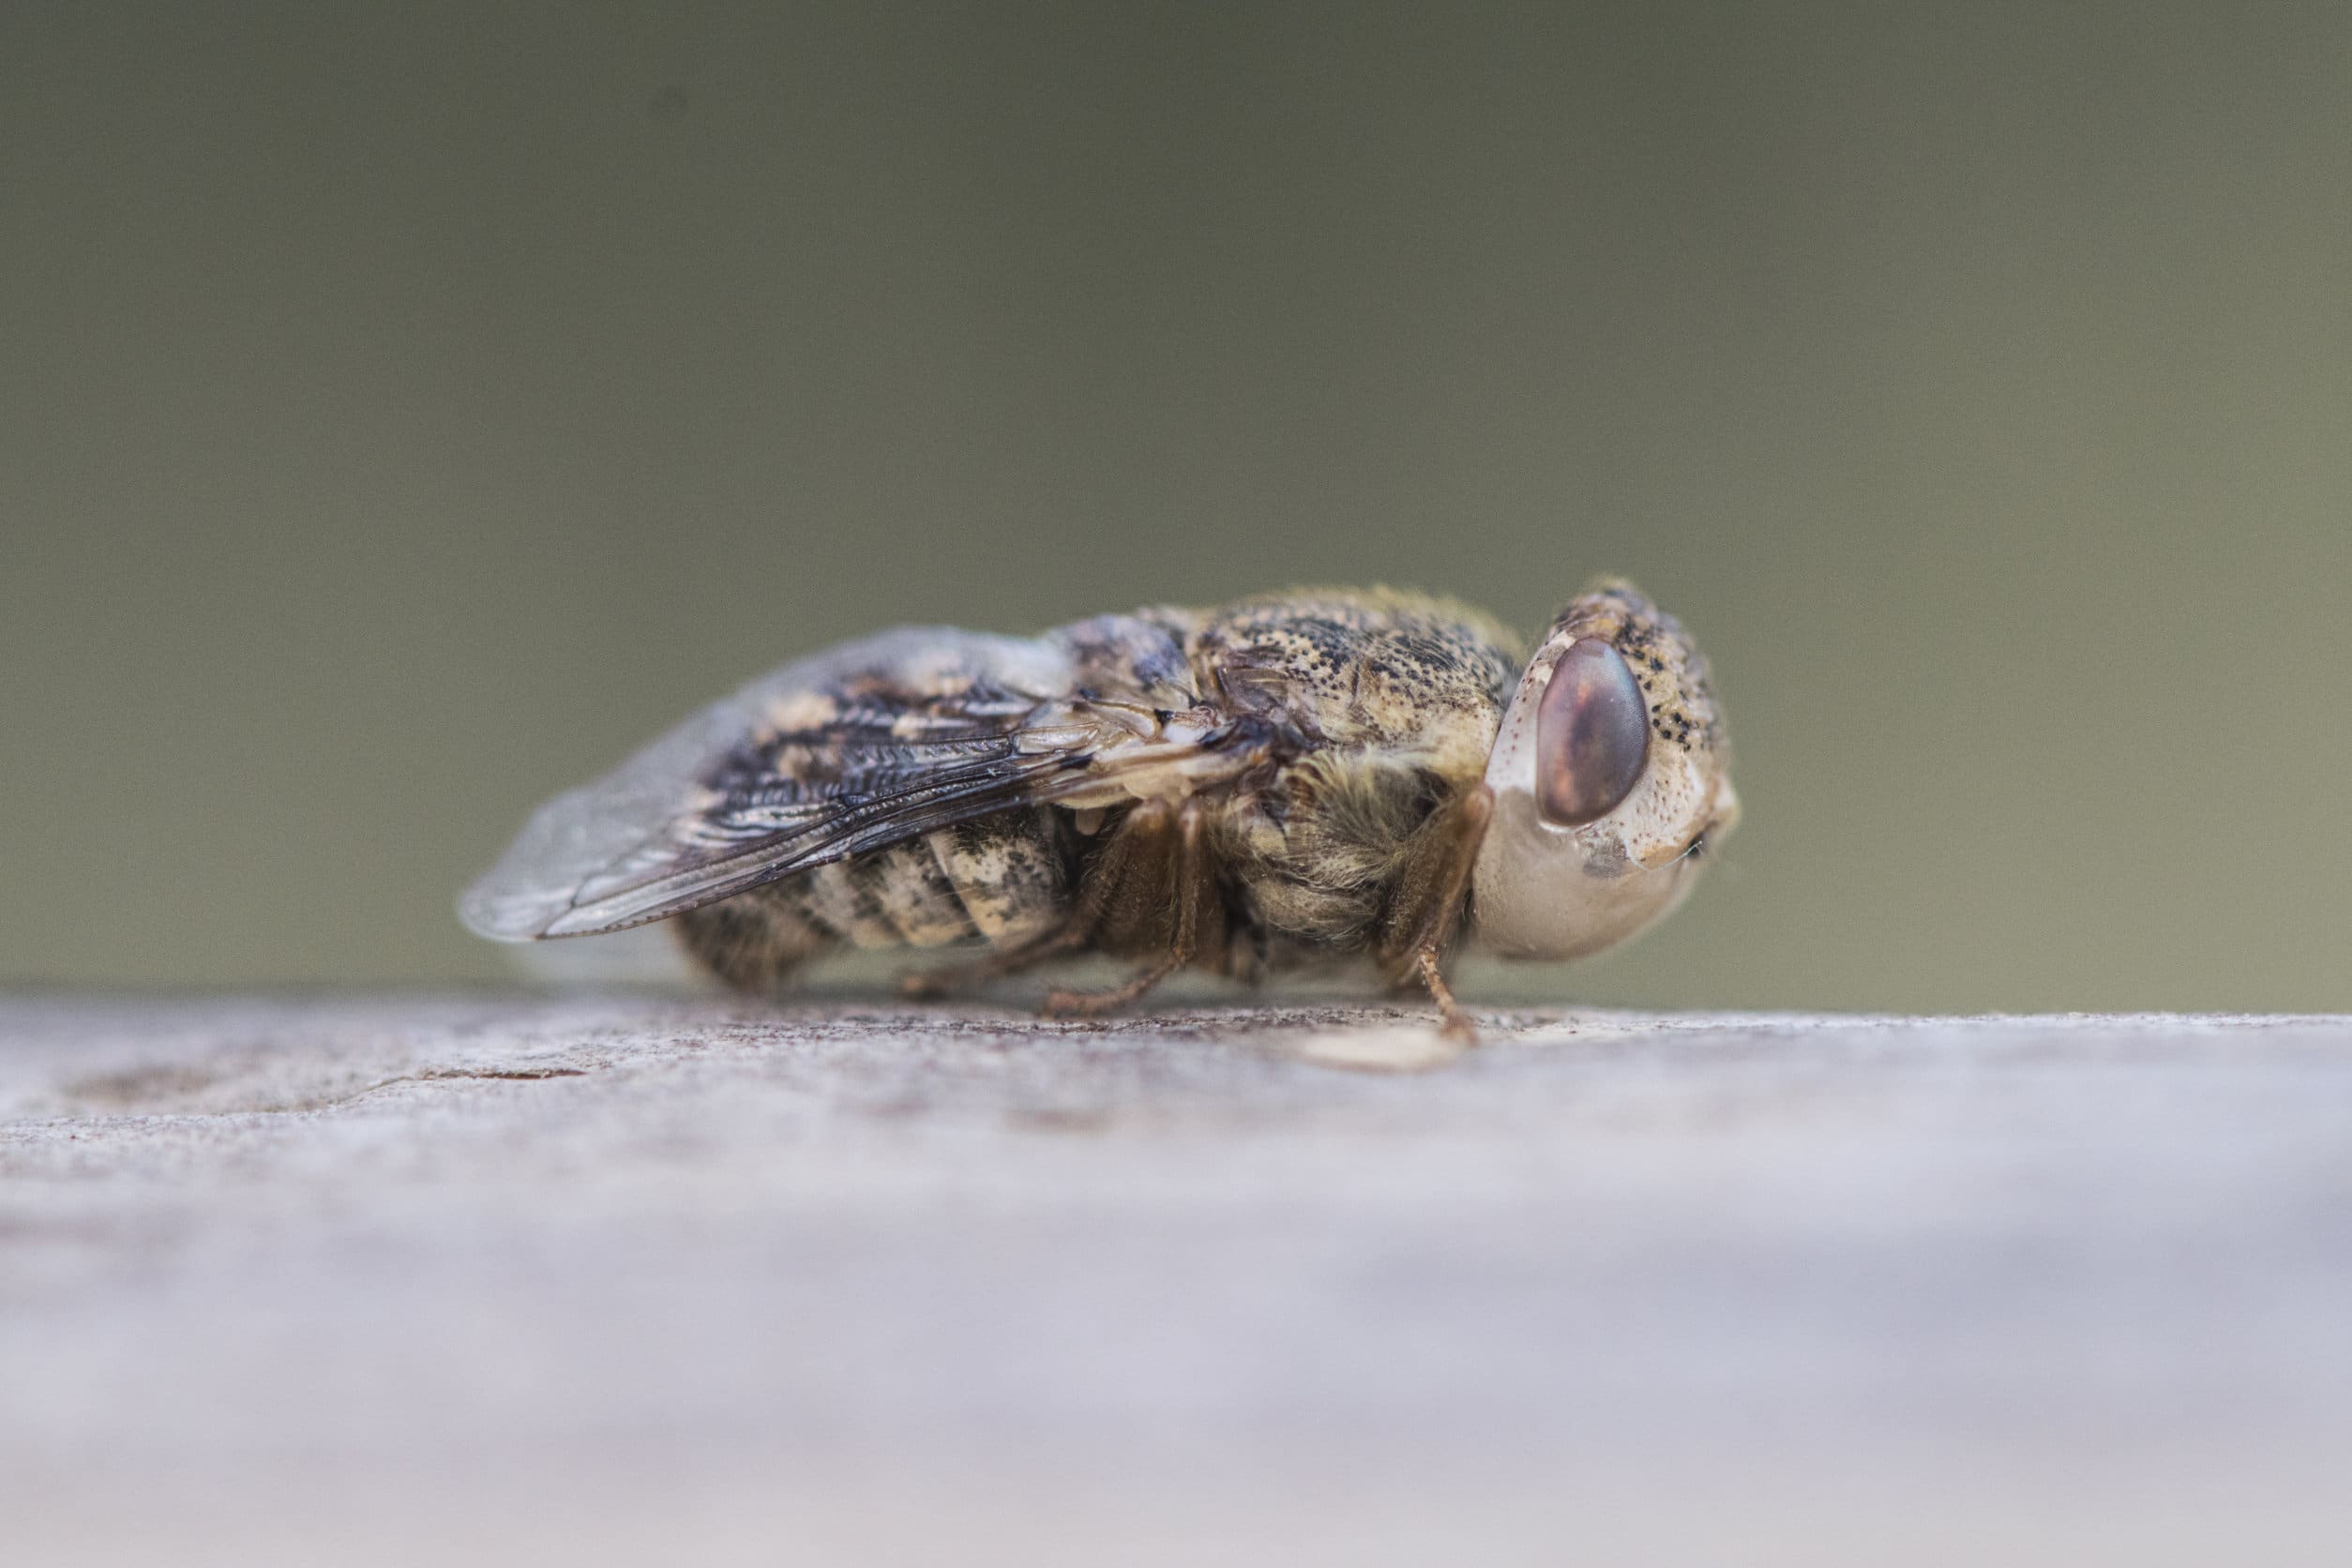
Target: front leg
(1424, 912)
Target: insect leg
(1453, 1022)
(946, 980)
(1425, 910)
(1155, 858)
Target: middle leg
(1157, 887)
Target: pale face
(1611, 776)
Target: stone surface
(647, 1278)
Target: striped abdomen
(1001, 880)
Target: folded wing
(854, 750)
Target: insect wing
(870, 742)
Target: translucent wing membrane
(838, 753)
(856, 748)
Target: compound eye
(1592, 735)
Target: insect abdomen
(1000, 880)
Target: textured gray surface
(643, 1278)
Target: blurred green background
(404, 411)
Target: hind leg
(931, 984)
